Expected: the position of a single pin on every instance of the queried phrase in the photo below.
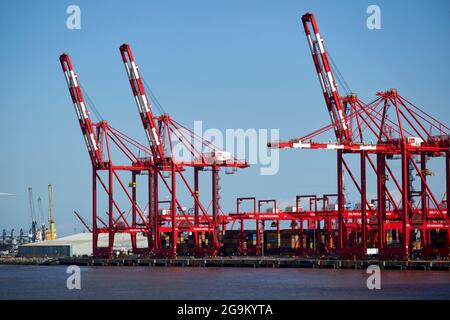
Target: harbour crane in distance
(43, 227)
(33, 229)
(52, 227)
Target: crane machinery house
(216, 156)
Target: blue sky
(232, 64)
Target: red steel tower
(165, 174)
(163, 133)
(387, 129)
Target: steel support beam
(405, 199)
(196, 204)
(110, 211)
(363, 202)
(133, 209)
(215, 203)
(381, 198)
(156, 226)
(173, 208)
(340, 187)
(94, 213)
(151, 211)
(447, 190)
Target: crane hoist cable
(97, 113)
(340, 77)
(153, 97)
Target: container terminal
(394, 142)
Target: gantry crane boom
(143, 104)
(86, 125)
(326, 78)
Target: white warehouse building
(76, 245)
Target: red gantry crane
(388, 128)
(163, 132)
(195, 229)
(407, 217)
(103, 141)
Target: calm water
(49, 282)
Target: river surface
(49, 282)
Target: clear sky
(232, 64)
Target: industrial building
(74, 245)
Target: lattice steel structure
(388, 128)
(163, 170)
